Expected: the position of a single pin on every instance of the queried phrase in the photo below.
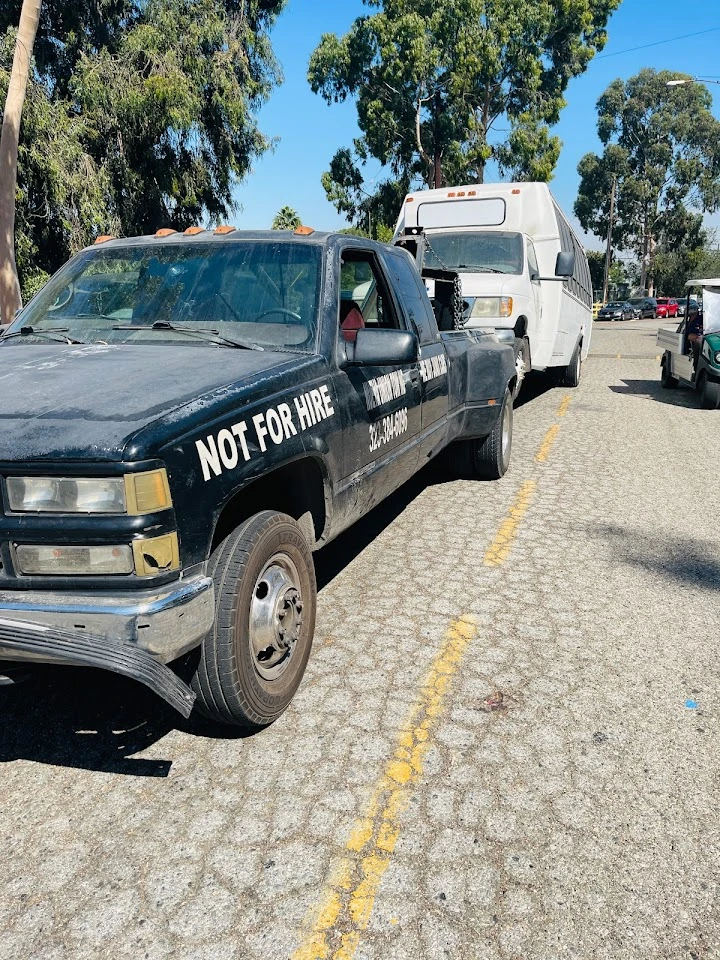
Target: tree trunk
(437, 169)
(644, 261)
(651, 264)
(9, 138)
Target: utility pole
(608, 249)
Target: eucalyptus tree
(662, 146)
(433, 79)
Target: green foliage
(62, 193)
(663, 146)
(431, 78)
(286, 219)
(616, 275)
(35, 280)
(596, 262)
(141, 114)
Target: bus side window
(533, 268)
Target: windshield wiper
(213, 335)
(32, 332)
(478, 266)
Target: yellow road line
(564, 404)
(497, 552)
(334, 929)
(548, 441)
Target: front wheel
(253, 659)
(487, 458)
(710, 394)
(521, 348)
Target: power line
(657, 43)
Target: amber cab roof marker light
(104, 238)
(224, 228)
(193, 231)
(516, 190)
(165, 232)
(303, 231)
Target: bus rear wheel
(569, 376)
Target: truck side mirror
(565, 263)
(378, 348)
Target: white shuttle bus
(524, 273)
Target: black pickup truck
(186, 417)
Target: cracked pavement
(575, 820)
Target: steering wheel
(283, 310)
(59, 304)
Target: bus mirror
(565, 263)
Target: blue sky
(310, 131)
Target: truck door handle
(415, 376)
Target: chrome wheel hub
(275, 617)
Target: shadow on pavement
(535, 385)
(688, 560)
(655, 391)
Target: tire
(667, 380)
(522, 363)
(486, 458)
(248, 669)
(709, 394)
(569, 376)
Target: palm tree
(9, 138)
(286, 219)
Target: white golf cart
(698, 368)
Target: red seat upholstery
(351, 320)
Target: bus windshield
(485, 251)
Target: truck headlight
(74, 560)
(717, 357)
(135, 493)
(489, 307)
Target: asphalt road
(506, 744)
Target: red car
(667, 307)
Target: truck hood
(490, 284)
(86, 402)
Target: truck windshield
(253, 292)
(486, 251)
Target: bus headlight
(486, 308)
(134, 494)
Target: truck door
(383, 410)
(433, 360)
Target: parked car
(681, 301)
(616, 310)
(644, 307)
(681, 305)
(667, 307)
(188, 416)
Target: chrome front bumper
(164, 622)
